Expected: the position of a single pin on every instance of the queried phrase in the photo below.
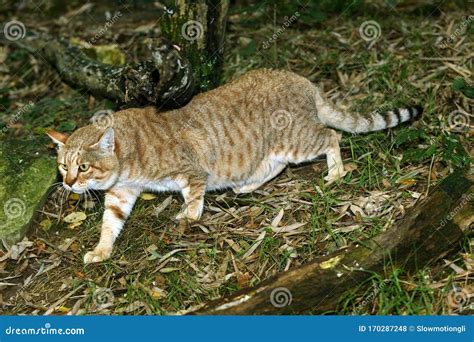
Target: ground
(417, 53)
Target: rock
(26, 171)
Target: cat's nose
(69, 181)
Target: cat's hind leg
(333, 157)
(315, 140)
(193, 193)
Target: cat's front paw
(97, 255)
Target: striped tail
(375, 121)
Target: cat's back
(253, 98)
(131, 116)
(146, 122)
(258, 85)
(256, 92)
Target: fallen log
(427, 233)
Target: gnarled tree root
(164, 78)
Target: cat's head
(87, 159)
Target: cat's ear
(58, 138)
(106, 142)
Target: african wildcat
(238, 136)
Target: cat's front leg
(118, 205)
(193, 193)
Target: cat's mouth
(72, 189)
(78, 191)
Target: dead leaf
(160, 280)
(386, 183)
(255, 245)
(134, 306)
(349, 167)
(159, 209)
(455, 267)
(221, 272)
(278, 218)
(169, 269)
(75, 224)
(74, 197)
(88, 204)
(407, 181)
(63, 309)
(356, 209)
(244, 280)
(146, 196)
(233, 245)
(45, 224)
(75, 217)
(157, 293)
(18, 248)
(289, 228)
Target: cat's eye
(63, 166)
(84, 167)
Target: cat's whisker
(94, 198)
(88, 198)
(79, 200)
(57, 192)
(55, 185)
(63, 201)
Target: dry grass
(160, 267)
